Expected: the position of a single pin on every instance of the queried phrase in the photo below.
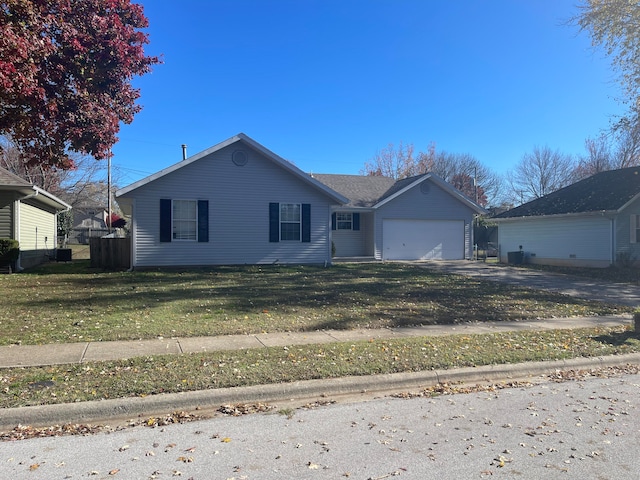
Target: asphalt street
(584, 429)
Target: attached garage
(423, 239)
(415, 218)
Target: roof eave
(52, 200)
(256, 146)
(599, 213)
(635, 197)
(444, 185)
(352, 208)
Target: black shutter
(165, 220)
(333, 221)
(203, 220)
(274, 222)
(306, 222)
(356, 221)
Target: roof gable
(608, 191)
(374, 191)
(241, 137)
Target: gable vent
(239, 157)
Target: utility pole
(109, 192)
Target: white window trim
(281, 222)
(173, 219)
(634, 223)
(338, 221)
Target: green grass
(71, 302)
(144, 376)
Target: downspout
(613, 241)
(330, 235)
(132, 254)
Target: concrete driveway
(617, 293)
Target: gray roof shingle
(361, 190)
(8, 179)
(604, 191)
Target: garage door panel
(423, 239)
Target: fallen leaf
(33, 467)
(226, 440)
(114, 471)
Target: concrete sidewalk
(75, 353)
(295, 393)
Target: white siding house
(593, 223)
(239, 203)
(235, 203)
(563, 240)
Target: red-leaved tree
(468, 186)
(65, 75)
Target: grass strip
(148, 375)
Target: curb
(127, 408)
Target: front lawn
(142, 376)
(71, 302)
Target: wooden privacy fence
(110, 252)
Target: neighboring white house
(592, 223)
(239, 203)
(28, 214)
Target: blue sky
(328, 83)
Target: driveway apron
(616, 293)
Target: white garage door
(423, 239)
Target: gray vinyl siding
(6, 214)
(584, 241)
(353, 243)
(623, 245)
(239, 198)
(368, 227)
(414, 204)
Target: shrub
(9, 251)
(625, 260)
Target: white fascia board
(293, 169)
(444, 185)
(253, 144)
(346, 209)
(176, 166)
(628, 203)
(49, 199)
(601, 213)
